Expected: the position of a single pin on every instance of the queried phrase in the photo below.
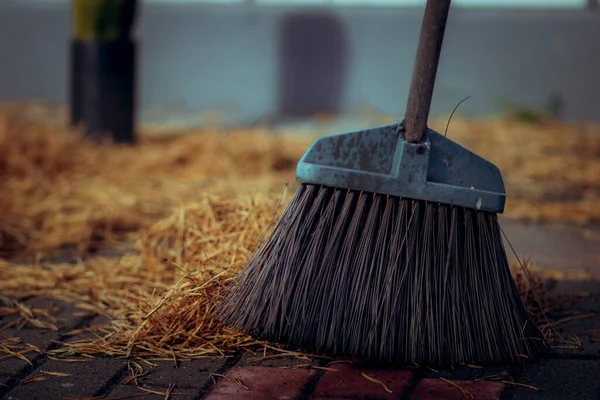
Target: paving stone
(12, 366)
(348, 382)
(66, 314)
(8, 317)
(582, 328)
(4, 381)
(66, 255)
(559, 379)
(116, 250)
(40, 338)
(85, 329)
(188, 374)
(132, 392)
(85, 379)
(578, 286)
(437, 389)
(590, 302)
(261, 383)
(96, 322)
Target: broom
(390, 249)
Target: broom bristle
(379, 277)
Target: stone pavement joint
(40, 338)
(226, 366)
(118, 375)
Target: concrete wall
(256, 61)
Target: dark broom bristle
(379, 277)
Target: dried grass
(194, 206)
(57, 190)
(160, 299)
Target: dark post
(103, 69)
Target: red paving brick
(437, 389)
(262, 383)
(348, 382)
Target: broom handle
(425, 69)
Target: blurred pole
(103, 69)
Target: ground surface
(548, 180)
(566, 252)
(565, 372)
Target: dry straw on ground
(190, 208)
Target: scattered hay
(57, 190)
(533, 292)
(194, 206)
(160, 300)
(27, 317)
(13, 347)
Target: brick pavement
(563, 373)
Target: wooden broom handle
(425, 69)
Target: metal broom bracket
(424, 164)
(436, 169)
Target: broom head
(388, 251)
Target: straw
(178, 215)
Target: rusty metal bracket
(437, 169)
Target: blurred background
(217, 79)
(276, 61)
